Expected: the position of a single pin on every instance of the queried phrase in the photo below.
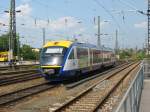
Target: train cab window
(52, 55)
(71, 56)
(53, 51)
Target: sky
(69, 19)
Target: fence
(146, 65)
(131, 100)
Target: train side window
(71, 56)
(82, 53)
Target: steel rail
(17, 72)
(68, 86)
(113, 89)
(19, 79)
(71, 101)
(20, 94)
(17, 67)
(5, 77)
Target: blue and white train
(61, 60)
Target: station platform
(145, 97)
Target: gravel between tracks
(95, 95)
(21, 85)
(114, 98)
(50, 100)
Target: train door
(71, 62)
(90, 58)
(82, 56)
(75, 57)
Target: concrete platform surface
(145, 98)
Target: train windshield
(52, 55)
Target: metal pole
(148, 14)
(43, 29)
(116, 43)
(99, 38)
(66, 25)
(18, 47)
(10, 32)
(14, 28)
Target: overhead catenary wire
(132, 6)
(41, 3)
(108, 13)
(47, 8)
(128, 4)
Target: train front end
(52, 59)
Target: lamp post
(43, 30)
(12, 30)
(99, 31)
(77, 35)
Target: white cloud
(25, 12)
(141, 25)
(57, 28)
(4, 19)
(64, 22)
(60, 24)
(82, 29)
(102, 25)
(40, 23)
(25, 1)
(25, 9)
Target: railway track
(19, 79)
(16, 73)
(14, 77)
(20, 94)
(90, 99)
(68, 86)
(2, 68)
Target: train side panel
(4, 56)
(80, 59)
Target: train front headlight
(55, 61)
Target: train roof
(58, 43)
(84, 45)
(92, 46)
(67, 44)
(107, 49)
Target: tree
(124, 54)
(26, 51)
(141, 54)
(132, 54)
(4, 42)
(28, 54)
